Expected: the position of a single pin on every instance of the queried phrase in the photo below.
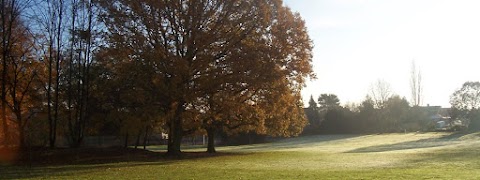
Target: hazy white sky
(358, 42)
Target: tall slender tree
(416, 86)
(78, 78)
(49, 26)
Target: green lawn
(387, 156)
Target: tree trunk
(176, 132)
(4, 121)
(6, 35)
(21, 128)
(4, 104)
(21, 134)
(126, 141)
(250, 140)
(175, 140)
(145, 138)
(211, 140)
(70, 68)
(137, 142)
(51, 124)
(56, 100)
(57, 71)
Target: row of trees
(132, 67)
(390, 113)
(395, 115)
(381, 111)
(47, 49)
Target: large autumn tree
(254, 51)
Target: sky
(358, 42)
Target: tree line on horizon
(75, 68)
(391, 113)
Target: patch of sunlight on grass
(186, 148)
(344, 143)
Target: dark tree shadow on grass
(467, 156)
(47, 163)
(59, 171)
(418, 144)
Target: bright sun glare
(358, 42)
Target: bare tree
(80, 62)
(380, 92)
(66, 35)
(416, 85)
(6, 14)
(53, 26)
(47, 23)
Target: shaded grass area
(388, 156)
(48, 163)
(64, 156)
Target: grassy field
(386, 156)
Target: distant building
(441, 119)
